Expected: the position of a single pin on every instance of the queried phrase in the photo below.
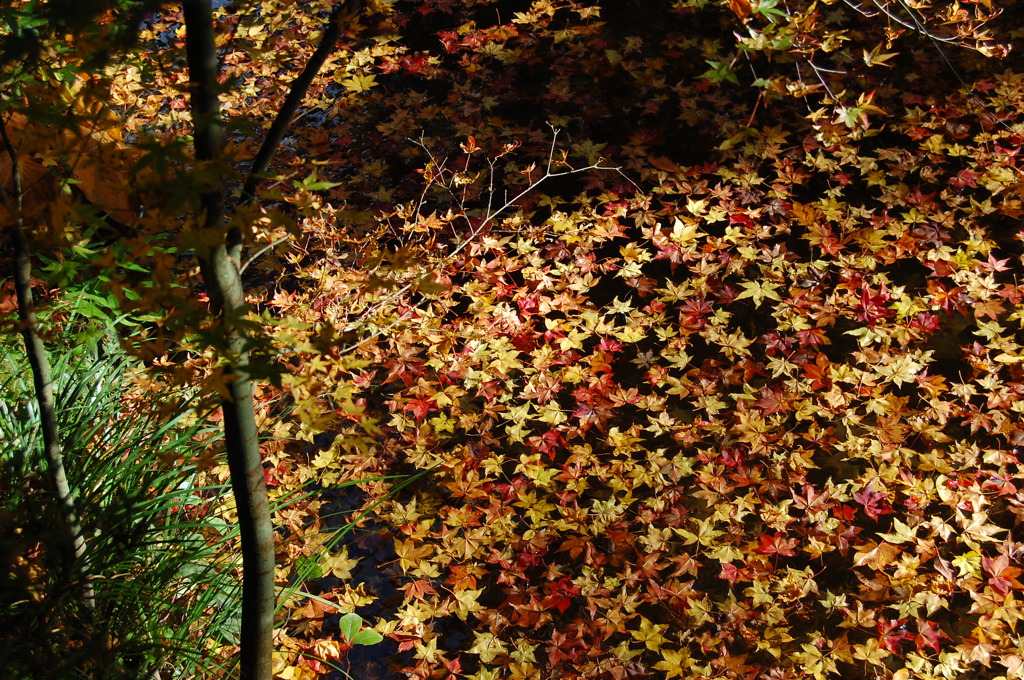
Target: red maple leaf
(871, 306)
(421, 407)
(561, 594)
(818, 372)
(875, 503)
(928, 635)
(892, 633)
(776, 544)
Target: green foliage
(351, 626)
(165, 588)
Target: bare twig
(270, 246)
(914, 24)
(488, 219)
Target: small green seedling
(350, 626)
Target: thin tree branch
(343, 11)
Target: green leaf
(349, 626)
(720, 72)
(769, 10)
(311, 183)
(366, 637)
(307, 567)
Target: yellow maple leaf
(758, 291)
(340, 565)
(351, 598)
(876, 556)
(871, 652)
(902, 370)
(296, 673)
(359, 82)
(901, 533)
(674, 662)
(630, 334)
(409, 555)
(466, 602)
(650, 634)
(487, 646)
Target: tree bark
(41, 378)
(221, 275)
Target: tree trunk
(41, 379)
(221, 275)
